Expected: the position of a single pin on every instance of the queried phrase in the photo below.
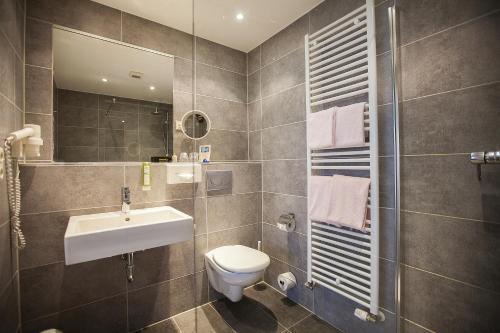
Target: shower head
(113, 101)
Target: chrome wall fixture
(392, 20)
(484, 157)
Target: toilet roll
(286, 281)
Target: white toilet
(234, 267)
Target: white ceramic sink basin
(95, 236)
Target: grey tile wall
(12, 32)
(277, 123)
(450, 219)
(61, 296)
(92, 128)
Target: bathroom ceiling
(216, 20)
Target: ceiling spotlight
(240, 16)
(152, 88)
(104, 79)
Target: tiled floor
(262, 309)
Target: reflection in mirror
(113, 101)
(195, 124)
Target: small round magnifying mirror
(195, 124)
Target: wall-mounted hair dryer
(19, 144)
(26, 142)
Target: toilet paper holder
(286, 222)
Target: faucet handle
(126, 195)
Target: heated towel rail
(341, 70)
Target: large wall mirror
(112, 101)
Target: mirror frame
(187, 114)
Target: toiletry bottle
(174, 158)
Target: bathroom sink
(95, 236)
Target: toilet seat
(240, 259)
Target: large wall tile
(83, 136)
(430, 185)
(9, 305)
(225, 115)
(300, 294)
(6, 256)
(247, 177)
(168, 262)
(445, 305)
(217, 55)
(254, 116)
(104, 316)
(456, 122)
(253, 58)
(287, 177)
(216, 82)
(12, 24)
(289, 247)
(183, 76)
(430, 65)
(254, 93)
(329, 11)
(56, 287)
(7, 69)
(461, 249)
(384, 79)
(227, 145)
(76, 116)
(325, 300)
(38, 43)
(38, 90)
(231, 211)
(142, 32)
(278, 204)
(255, 146)
(284, 142)
(284, 108)
(45, 233)
(161, 301)
(418, 20)
(87, 16)
(285, 41)
(284, 73)
(246, 235)
(77, 187)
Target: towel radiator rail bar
(341, 67)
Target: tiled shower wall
(450, 231)
(91, 128)
(95, 296)
(450, 101)
(12, 14)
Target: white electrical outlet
(2, 163)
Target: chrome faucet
(126, 199)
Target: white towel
(320, 197)
(349, 198)
(320, 129)
(349, 126)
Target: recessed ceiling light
(240, 16)
(104, 79)
(152, 88)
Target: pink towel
(348, 201)
(349, 126)
(320, 197)
(320, 129)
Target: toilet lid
(240, 259)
